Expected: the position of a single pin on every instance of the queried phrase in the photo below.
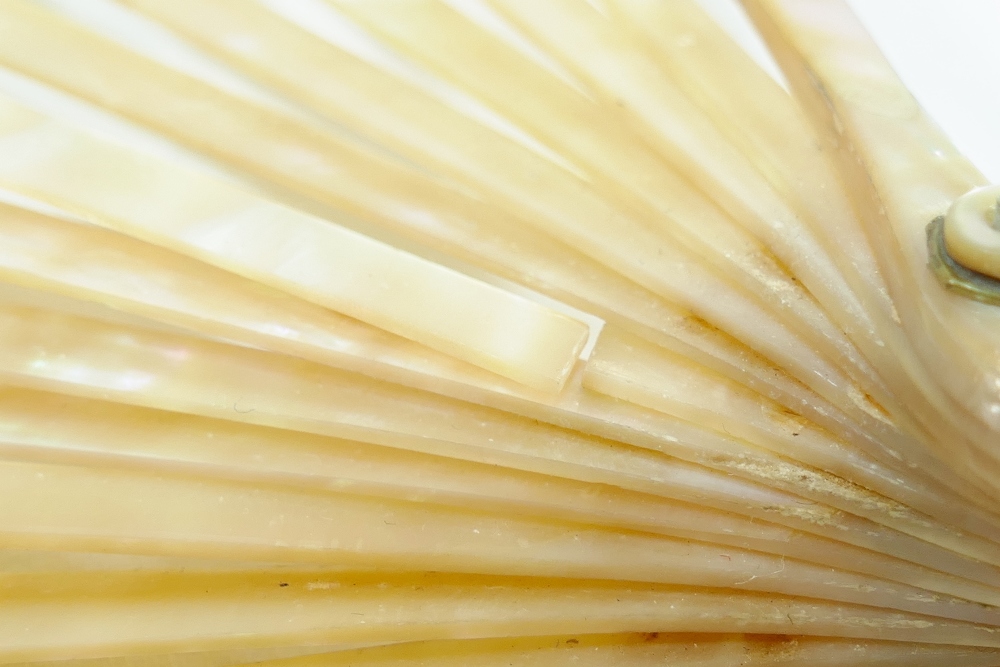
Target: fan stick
(631, 84)
(628, 368)
(266, 139)
(73, 355)
(437, 36)
(171, 514)
(53, 428)
(47, 250)
(319, 609)
(431, 133)
(206, 218)
(698, 56)
(651, 649)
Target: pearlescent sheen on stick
(220, 224)
(902, 172)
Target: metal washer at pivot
(964, 246)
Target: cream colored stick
(437, 36)
(78, 356)
(430, 132)
(274, 145)
(52, 616)
(648, 650)
(198, 215)
(62, 507)
(764, 122)
(814, 410)
(629, 82)
(481, 73)
(902, 172)
(92, 263)
(522, 254)
(38, 560)
(88, 262)
(626, 367)
(746, 104)
(222, 658)
(56, 428)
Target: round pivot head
(964, 245)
